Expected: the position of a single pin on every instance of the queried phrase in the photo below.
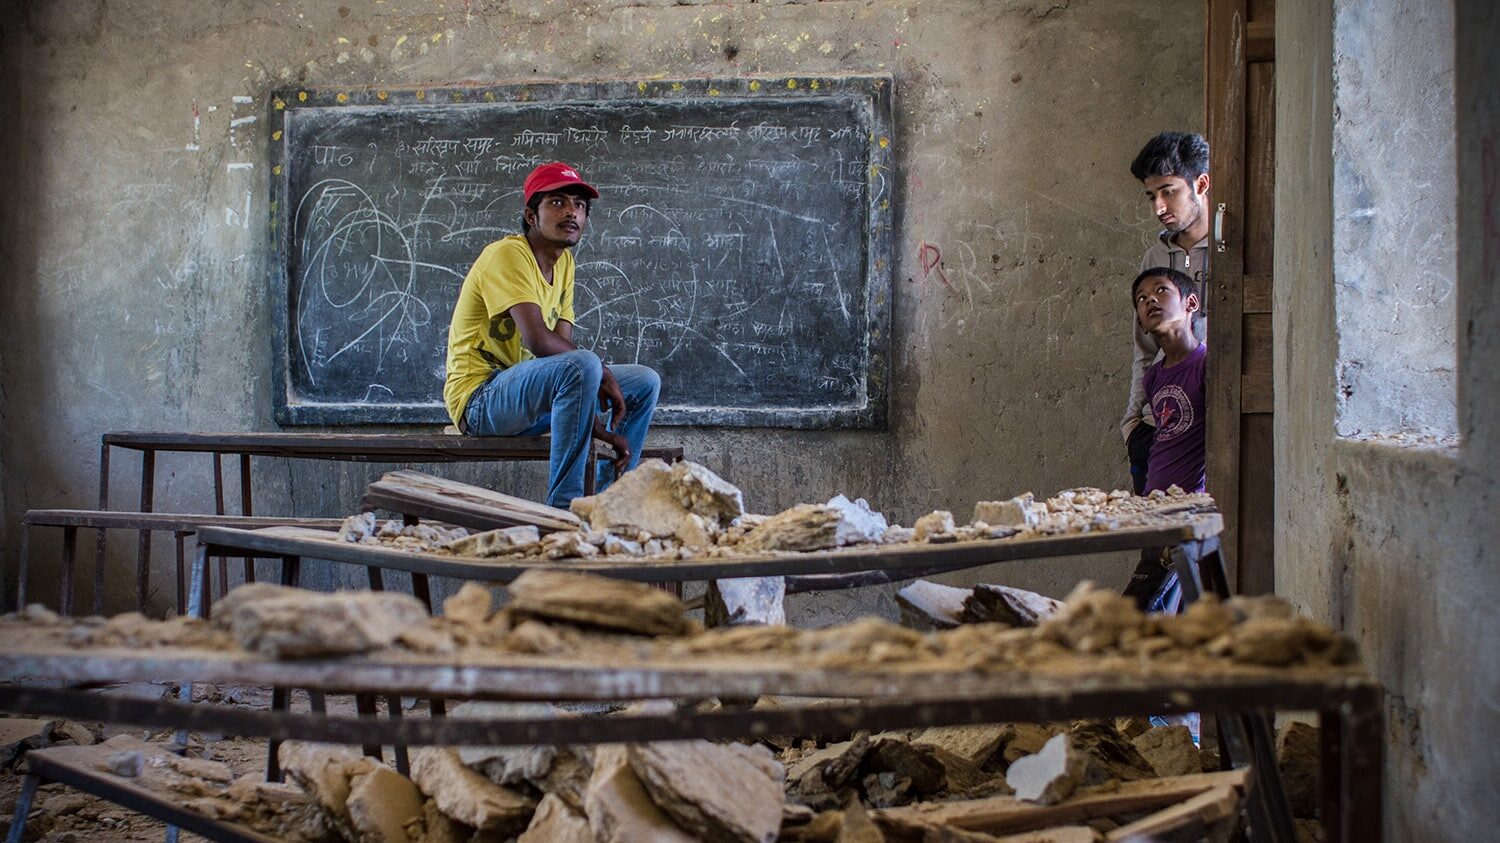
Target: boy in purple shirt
(1165, 301)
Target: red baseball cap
(553, 176)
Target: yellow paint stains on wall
(885, 142)
(826, 47)
(713, 92)
(421, 95)
(276, 170)
(815, 84)
(791, 84)
(458, 96)
(489, 96)
(676, 86)
(276, 135)
(279, 103)
(301, 96)
(382, 95)
(401, 40)
(640, 87)
(755, 84)
(795, 44)
(342, 97)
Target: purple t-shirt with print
(1176, 395)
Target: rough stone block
(304, 624)
(555, 822)
(720, 793)
(1170, 750)
(598, 601)
(467, 796)
(382, 802)
(619, 808)
(1049, 776)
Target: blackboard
(741, 245)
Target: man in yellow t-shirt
(513, 368)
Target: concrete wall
(1394, 538)
(135, 285)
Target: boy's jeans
(560, 394)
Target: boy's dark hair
(1172, 154)
(1180, 280)
(536, 202)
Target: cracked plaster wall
(135, 282)
(1390, 538)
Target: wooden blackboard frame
(875, 94)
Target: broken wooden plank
(1204, 809)
(427, 496)
(1006, 814)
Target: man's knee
(583, 369)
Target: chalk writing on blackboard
(735, 247)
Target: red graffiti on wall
(930, 258)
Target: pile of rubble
(685, 511)
(600, 620)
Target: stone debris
(1049, 776)
(929, 605)
(364, 528)
(470, 606)
(556, 822)
(720, 793)
(858, 524)
(1010, 606)
(618, 807)
(661, 500)
(1297, 755)
(382, 803)
(939, 522)
(974, 744)
(490, 543)
(125, 764)
(18, 735)
(805, 527)
(818, 775)
(746, 600)
(305, 624)
(467, 796)
(598, 601)
(1111, 756)
(1169, 750)
(1011, 515)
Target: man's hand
(616, 441)
(611, 398)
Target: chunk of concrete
(928, 605)
(382, 802)
(719, 793)
(1297, 756)
(1049, 776)
(467, 796)
(1011, 606)
(827, 769)
(556, 822)
(1016, 513)
(324, 771)
(805, 527)
(305, 624)
(858, 524)
(746, 600)
(658, 499)
(491, 543)
(939, 522)
(1170, 750)
(470, 606)
(20, 734)
(1111, 756)
(618, 807)
(598, 601)
(974, 744)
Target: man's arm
(545, 342)
(1142, 355)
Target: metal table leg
(23, 807)
(100, 540)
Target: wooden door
(1240, 89)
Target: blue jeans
(560, 395)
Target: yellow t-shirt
(482, 336)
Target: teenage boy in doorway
(1165, 304)
(513, 368)
(1173, 167)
